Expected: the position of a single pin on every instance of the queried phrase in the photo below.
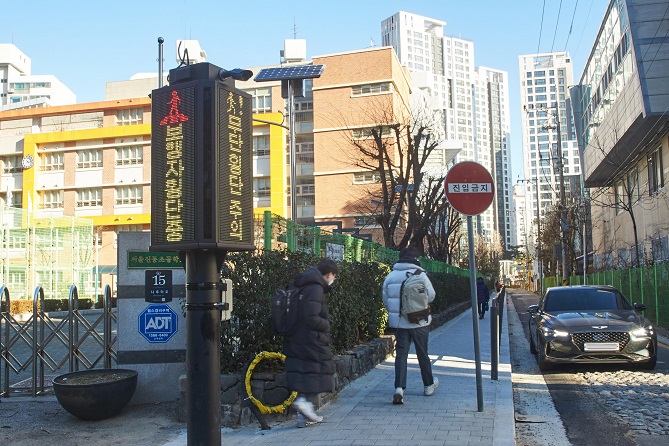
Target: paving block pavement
(363, 413)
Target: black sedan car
(579, 324)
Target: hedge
(357, 313)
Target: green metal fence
(53, 252)
(276, 233)
(648, 285)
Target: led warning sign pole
(202, 207)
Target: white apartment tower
(544, 98)
(472, 102)
(20, 89)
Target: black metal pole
(203, 334)
(475, 318)
(494, 340)
(160, 61)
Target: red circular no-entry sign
(469, 188)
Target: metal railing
(53, 341)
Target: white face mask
(331, 280)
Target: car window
(585, 300)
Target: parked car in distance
(590, 324)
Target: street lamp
(292, 84)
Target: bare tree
(444, 237)
(396, 148)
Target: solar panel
(297, 72)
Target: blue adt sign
(158, 323)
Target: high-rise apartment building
(21, 89)
(473, 104)
(548, 135)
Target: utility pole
(540, 263)
(563, 207)
(559, 166)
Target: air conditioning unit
(10, 91)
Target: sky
(86, 44)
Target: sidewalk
(363, 413)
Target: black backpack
(286, 309)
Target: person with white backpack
(410, 327)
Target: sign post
(470, 190)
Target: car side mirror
(639, 307)
(532, 309)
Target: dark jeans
(481, 309)
(403, 339)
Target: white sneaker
(398, 396)
(429, 390)
(303, 422)
(307, 409)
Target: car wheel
(533, 347)
(544, 365)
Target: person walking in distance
(405, 331)
(482, 296)
(309, 362)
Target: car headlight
(550, 333)
(642, 332)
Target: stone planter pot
(95, 394)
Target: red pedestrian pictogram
(174, 116)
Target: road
(596, 404)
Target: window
(366, 177)
(365, 221)
(129, 116)
(261, 187)
(261, 145)
(633, 186)
(87, 159)
(305, 189)
(620, 197)
(623, 260)
(128, 155)
(11, 164)
(261, 100)
(660, 249)
(655, 172)
(53, 161)
(383, 87)
(52, 199)
(367, 133)
(16, 199)
(128, 195)
(89, 197)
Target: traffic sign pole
(475, 318)
(470, 190)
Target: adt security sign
(158, 323)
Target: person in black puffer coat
(309, 362)
(482, 296)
